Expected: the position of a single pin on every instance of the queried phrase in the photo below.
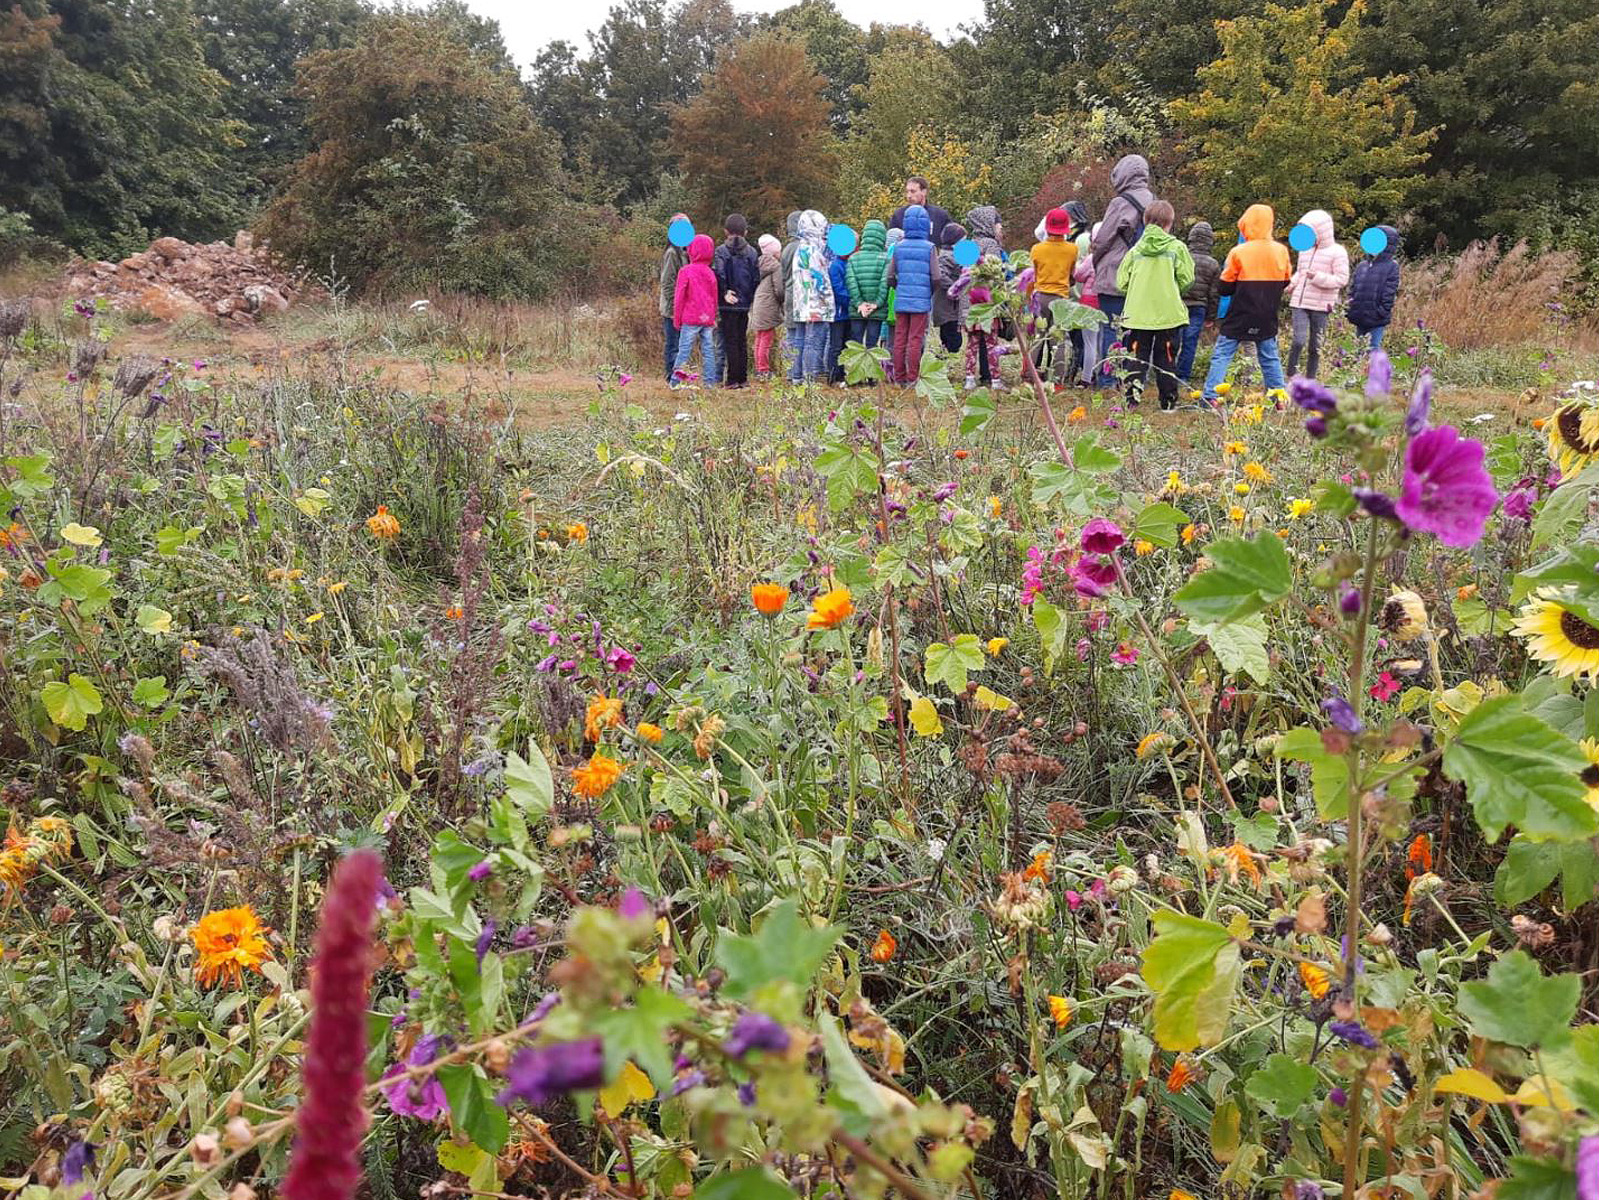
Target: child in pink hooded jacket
(1318, 280)
(694, 309)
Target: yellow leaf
(463, 1160)
(1543, 1092)
(1468, 1081)
(924, 718)
(630, 1086)
(82, 535)
(987, 698)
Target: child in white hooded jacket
(1319, 279)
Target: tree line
(402, 148)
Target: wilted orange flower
(12, 535)
(1315, 980)
(1060, 1011)
(577, 532)
(961, 454)
(1077, 414)
(768, 598)
(595, 777)
(883, 948)
(1179, 1077)
(1040, 866)
(383, 524)
(229, 942)
(830, 609)
(46, 838)
(1241, 861)
(1419, 858)
(650, 733)
(1142, 547)
(1190, 531)
(603, 713)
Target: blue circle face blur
(1302, 237)
(966, 253)
(1374, 241)
(680, 232)
(841, 240)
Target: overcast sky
(528, 27)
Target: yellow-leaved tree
(957, 177)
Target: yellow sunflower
(1558, 636)
(229, 942)
(1573, 434)
(1590, 773)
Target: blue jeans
(794, 347)
(687, 336)
(813, 354)
(716, 363)
(1271, 363)
(1196, 326)
(1376, 336)
(868, 331)
(1112, 307)
(669, 338)
(836, 338)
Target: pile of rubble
(231, 282)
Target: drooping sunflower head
(1573, 433)
(1403, 616)
(1557, 635)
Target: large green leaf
(784, 947)
(752, 1183)
(1243, 578)
(1519, 1004)
(1518, 771)
(1052, 632)
(72, 703)
(528, 782)
(1530, 867)
(472, 1104)
(1192, 966)
(1160, 524)
(949, 664)
(639, 1033)
(1282, 1084)
(849, 471)
(1537, 1179)
(1238, 645)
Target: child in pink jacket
(1313, 292)
(694, 309)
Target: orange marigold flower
(830, 609)
(1315, 980)
(650, 733)
(960, 455)
(1060, 1011)
(1040, 866)
(883, 948)
(1419, 857)
(229, 942)
(768, 598)
(383, 524)
(454, 613)
(1179, 1077)
(12, 535)
(1241, 862)
(1077, 414)
(577, 532)
(595, 777)
(1142, 547)
(604, 712)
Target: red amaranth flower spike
(326, 1163)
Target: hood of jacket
(918, 225)
(1130, 173)
(981, 221)
(1394, 241)
(770, 246)
(1155, 242)
(701, 249)
(812, 228)
(1201, 238)
(1078, 212)
(895, 237)
(953, 232)
(793, 223)
(1256, 223)
(874, 236)
(1322, 222)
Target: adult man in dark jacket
(738, 274)
(916, 193)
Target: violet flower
(1102, 536)
(1420, 405)
(1313, 395)
(1378, 504)
(1316, 426)
(1379, 375)
(485, 939)
(1447, 491)
(746, 1096)
(1354, 1033)
(1349, 602)
(421, 1096)
(944, 492)
(1338, 1096)
(538, 1074)
(1307, 1190)
(76, 1163)
(687, 1080)
(633, 905)
(542, 1009)
(1588, 1168)
(1342, 714)
(755, 1031)
(480, 871)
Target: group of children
(1157, 292)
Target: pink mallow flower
(1446, 491)
(1102, 536)
(1125, 655)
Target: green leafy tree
(911, 90)
(428, 170)
(755, 139)
(1027, 57)
(837, 49)
(1288, 114)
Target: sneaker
(971, 382)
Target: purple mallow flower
(1420, 405)
(539, 1074)
(1447, 491)
(1379, 375)
(1518, 503)
(755, 1031)
(421, 1097)
(1341, 714)
(1102, 536)
(1354, 1033)
(633, 905)
(1309, 394)
(1588, 1168)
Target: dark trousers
(669, 336)
(868, 331)
(835, 347)
(950, 334)
(735, 325)
(1110, 334)
(1157, 348)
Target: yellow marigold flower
(1299, 507)
(314, 618)
(768, 598)
(1256, 472)
(830, 609)
(383, 524)
(1223, 388)
(1240, 861)
(1236, 514)
(1179, 1077)
(1175, 484)
(335, 589)
(1141, 547)
(996, 644)
(1232, 448)
(650, 733)
(1154, 743)
(1179, 1194)
(1315, 980)
(994, 507)
(1189, 533)
(1077, 414)
(1241, 488)
(229, 942)
(883, 948)
(1060, 1011)
(595, 777)
(603, 713)
(577, 532)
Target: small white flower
(683, 416)
(936, 848)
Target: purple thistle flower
(1378, 504)
(1311, 394)
(1102, 536)
(1379, 375)
(1341, 714)
(485, 939)
(1354, 1033)
(1420, 405)
(538, 1074)
(76, 1162)
(1349, 602)
(421, 1097)
(480, 871)
(633, 905)
(755, 1031)
(1588, 1168)
(1446, 490)
(1338, 1096)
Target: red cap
(1057, 220)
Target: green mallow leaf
(72, 703)
(639, 1033)
(471, 1098)
(1519, 1004)
(1244, 578)
(752, 1183)
(1193, 967)
(1282, 1085)
(1161, 524)
(1530, 867)
(1238, 646)
(784, 947)
(528, 782)
(949, 664)
(1519, 771)
(1537, 1179)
